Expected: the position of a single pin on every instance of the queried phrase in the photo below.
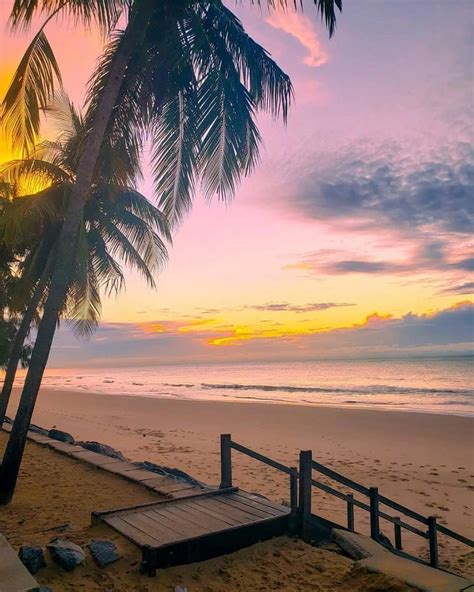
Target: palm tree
(118, 222)
(9, 259)
(184, 75)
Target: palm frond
(104, 13)
(27, 219)
(230, 146)
(83, 304)
(269, 86)
(123, 142)
(175, 148)
(29, 92)
(108, 272)
(34, 171)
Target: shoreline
(256, 400)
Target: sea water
(434, 385)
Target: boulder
(37, 430)
(168, 471)
(102, 449)
(65, 553)
(60, 435)
(104, 552)
(32, 558)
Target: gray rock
(44, 589)
(61, 436)
(37, 430)
(180, 589)
(66, 553)
(32, 558)
(168, 471)
(104, 552)
(102, 449)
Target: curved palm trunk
(21, 334)
(133, 38)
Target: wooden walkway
(197, 527)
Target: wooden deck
(198, 527)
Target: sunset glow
(357, 217)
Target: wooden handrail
(375, 513)
(227, 444)
(306, 482)
(340, 478)
(265, 459)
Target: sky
(354, 235)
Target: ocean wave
(355, 390)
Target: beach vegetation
(181, 77)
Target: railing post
(398, 533)
(433, 539)
(374, 513)
(306, 471)
(350, 511)
(226, 461)
(293, 522)
(294, 490)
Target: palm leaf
(29, 92)
(104, 13)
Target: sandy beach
(70, 490)
(422, 460)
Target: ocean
(432, 385)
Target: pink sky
(361, 201)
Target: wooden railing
(375, 500)
(227, 444)
(302, 482)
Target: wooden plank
(175, 486)
(199, 495)
(138, 475)
(200, 519)
(257, 504)
(161, 533)
(131, 532)
(249, 508)
(261, 500)
(157, 480)
(14, 577)
(211, 511)
(94, 458)
(163, 520)
(120, 467)
(185, 527)
(183, 493)
(64, 446)
(226, 510)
